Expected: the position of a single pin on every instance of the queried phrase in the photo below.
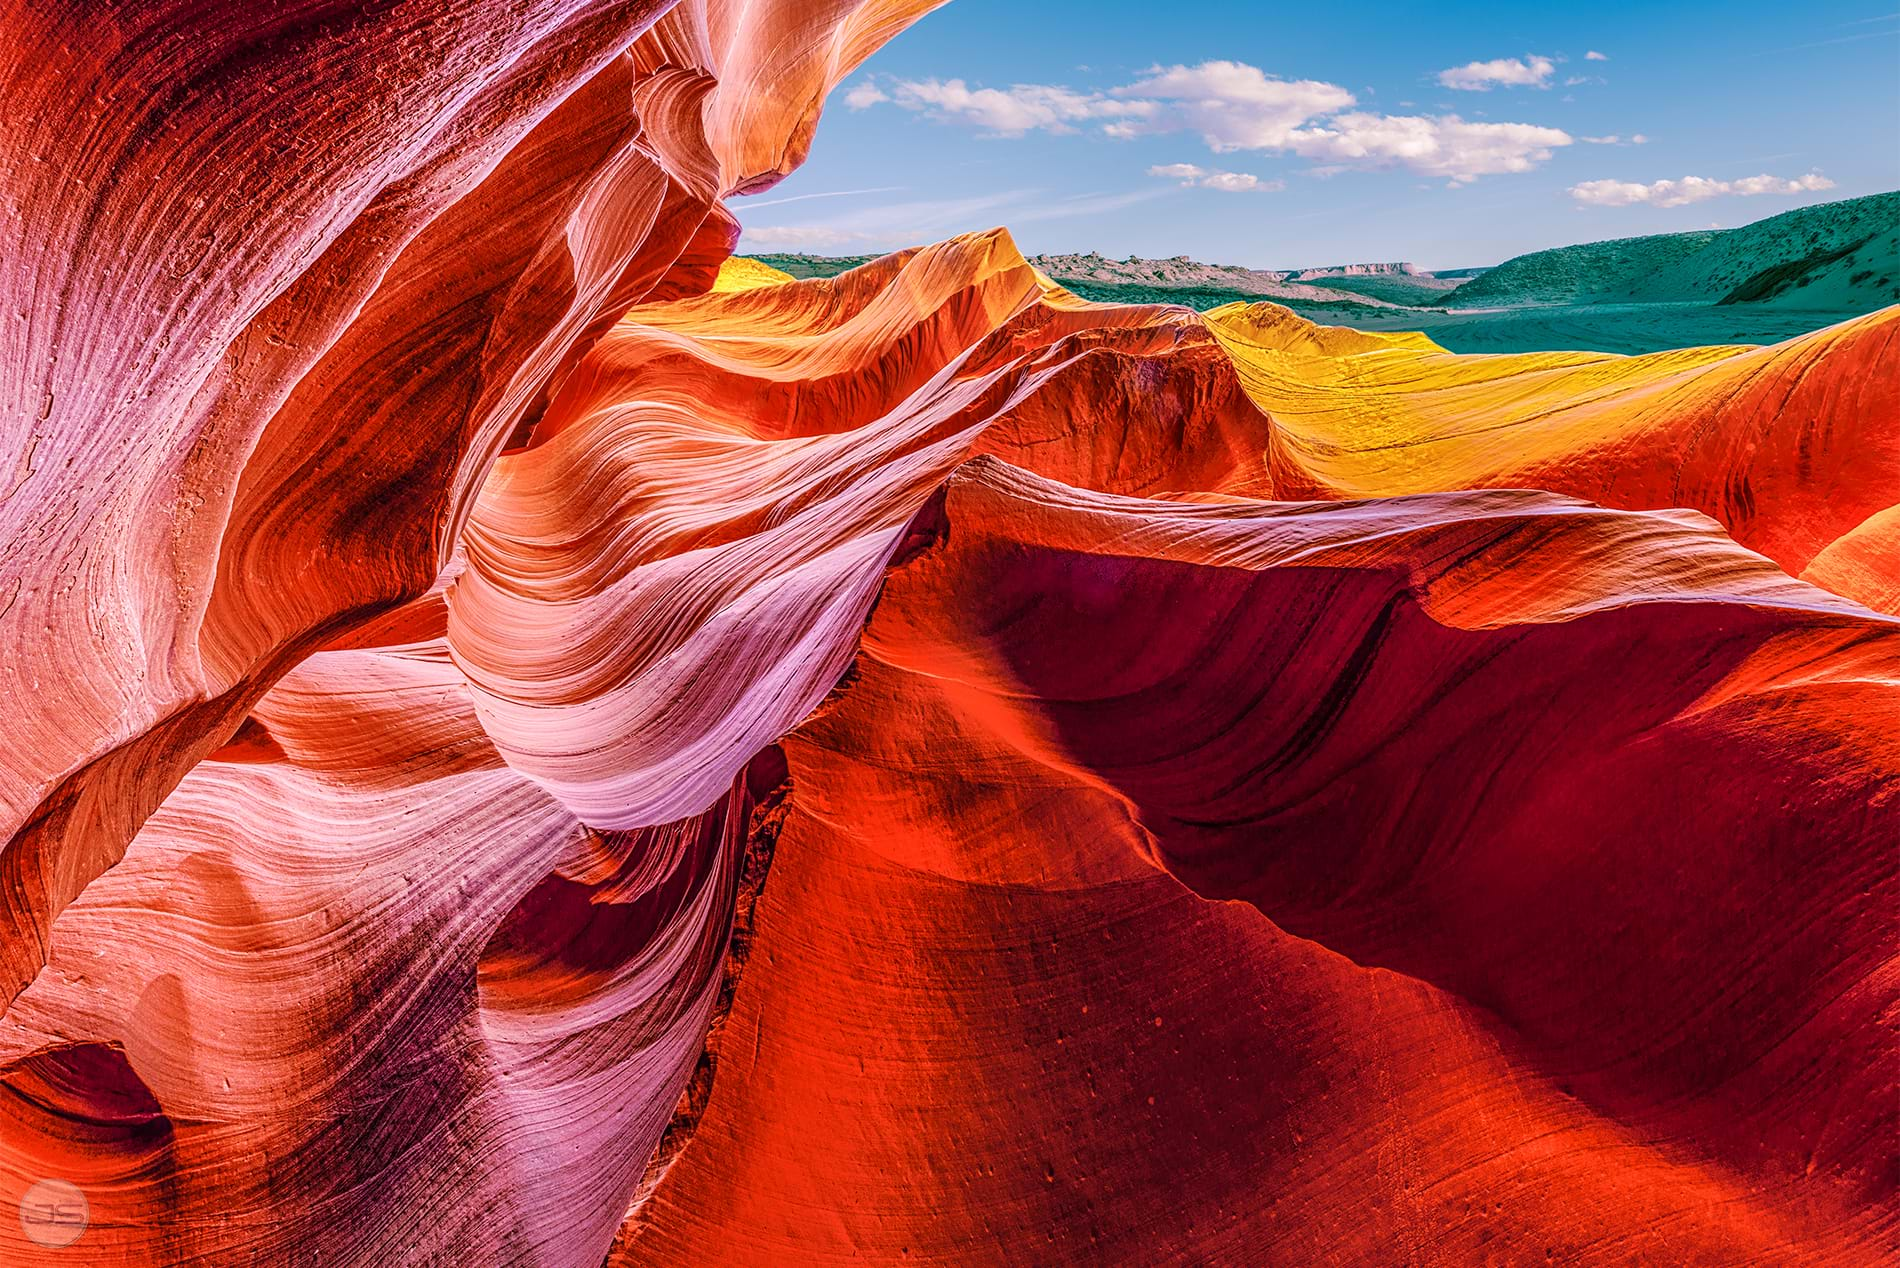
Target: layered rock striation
(1187, 788)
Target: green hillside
(1579, 274)
(1200, 297)
(815, 265)
(1415, 290)
(1842, 256)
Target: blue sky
(1283, 135)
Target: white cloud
(1594, 56)
(1639, 139)
(1813, 182)
(1233, 106)
(1230, 182)
(1436, 145)
(865, 95)
(1613, 139)
(1691, 189)
(1529, 71)
(1012, 111)
(1241, 182)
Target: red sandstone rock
(1215, 823)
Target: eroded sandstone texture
(1189, 789)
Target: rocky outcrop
(1355, 270)
(290, 281)
(440, 209)
(1229, 893)
(1181, 273)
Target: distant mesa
(1364, 285)
(1399, 269)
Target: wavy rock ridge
(1234, 790)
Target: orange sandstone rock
(1250, 791)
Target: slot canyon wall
(531, 742)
